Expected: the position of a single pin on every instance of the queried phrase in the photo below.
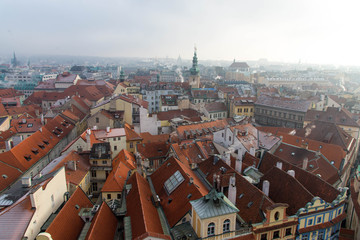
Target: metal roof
(213, 204)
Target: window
(276, 216)
(318, 220)
(93, 173)
(229, 138)
(115, 148)
(211, 229)
(321, 236)
(118, 196)
(114, 139)
(104, 162)
(97, 120)
(226, 226)
(288, 232)
(94, 162)
(276, 234)
(173, 182)
(339, 212)
(304, 237)
(310, 222)
(94, 186)
(263, 236)
(131, 144)
(108, 196)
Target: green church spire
(194, 70)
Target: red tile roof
(143, 214)
(131, 135)
(251, 200)
(326, 132)
(134, 100)
(317, 163)
(61, 227)
(215, 107)
(283, 103)
(153, 150)
(122, 164)
(103, 225)
(315, 185)
(332, 152)
(15, 219)
(26, 125)
(185, 113)
(82, 167)
(147, 137)
(332, 115)
(33, 148)
(9, 92)
(219, 124)
(177, 204)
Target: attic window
(27, 157)
(173, 182)
(311, 166)
(320, 147)
(41, 145)
(332, 162)
(46, 142)
(241, 195)
(292, 154)
(189, 196)
(77, 206)
(4, 176)
(29, 125)
(250, 204)
(35, 150)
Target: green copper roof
(212, 205)
(194, 70)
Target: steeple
(122, 76)
(194, 70)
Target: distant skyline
(319, 32)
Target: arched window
(276, 216)
(226, 226)
(211, 229)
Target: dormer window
(41, 145)
(35, 150)
(46, 142)
(27, 157)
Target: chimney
(304, 145)
(7, 145)
(246, 131)
(291, 173)
(218, 183)
(107, 129)
(42, 119)
(232, 189)
(305, 163)
(227, 158)
(214, 181)
(238, 163)
(26, 182)
(88, 142)
(72, 165)
(279, 165)
(266, 187)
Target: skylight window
(173, 182)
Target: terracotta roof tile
(283, 103)
(215, 107)
(153, 150)
(317, 163)
(213, 125)
(147, 137)
(315, 185)
(332, 115)
(103, 225)
(61, 227)
(177, 204)
(122, 164)
(131, 135)
(144, 216)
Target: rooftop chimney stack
(291, 173)
(305, 163)
(232, 189)
(266, 187)
(279, 165)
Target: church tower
(194, 78)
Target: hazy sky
(283, 30)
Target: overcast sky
(282, 30)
